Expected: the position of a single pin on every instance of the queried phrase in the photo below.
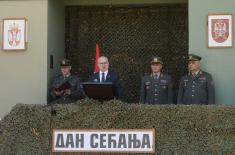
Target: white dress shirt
(105, 75)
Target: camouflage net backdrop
(180, 129)
(129, 36)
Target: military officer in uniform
(156, 88)
(196, 87)
(66, 86)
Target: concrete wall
(23, 75)
(219, 62)
(56, 31)
(121, 2)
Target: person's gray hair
(103, 57)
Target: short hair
(103, 57)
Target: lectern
(99, 91)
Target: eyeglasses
(103, 63)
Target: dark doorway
(129, 36)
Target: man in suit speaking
(105, 75)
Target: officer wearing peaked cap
(156, 88)
(66, 86)
(65, 62)
(196, 87)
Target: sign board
(104, 141)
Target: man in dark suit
(156, 88)
(105, 75)
(197, 86)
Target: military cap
(65, 62)
(156, 59)
(193, 57)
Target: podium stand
(99, 91)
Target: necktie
(156, 76)
(102, 78)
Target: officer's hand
(58, 93)
(67, 91)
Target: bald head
(103, 63)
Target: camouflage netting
(129, 36)
(179, 129)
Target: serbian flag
(97, 55)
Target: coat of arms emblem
(14, 35)
(220, 30)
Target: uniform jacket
(76, 86)
(196, 90)
(156, 91)
(111, 77)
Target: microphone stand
(52, 114)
